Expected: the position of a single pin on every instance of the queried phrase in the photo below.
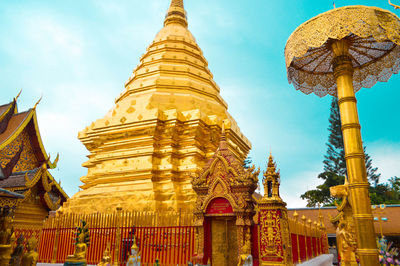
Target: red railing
(171, 245)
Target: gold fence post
(297, 231)
(57, 222)
(303, 218)
(117, 236)
(310, 232)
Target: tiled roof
(4, 107)
(14, 123)
(17, 179)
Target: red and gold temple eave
(23, 182)
(17, 124)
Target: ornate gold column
(354, 154)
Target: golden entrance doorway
(224, 241)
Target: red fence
(308, 239)
(171, 244)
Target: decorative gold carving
(27, 159)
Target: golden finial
(303, 218)
(393, 5)
(177, 3)
(295, 215)
(271, 166)
(19, 93)
(34, 107)
(176, 13)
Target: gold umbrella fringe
(338, 23)
(365, 77)
(365, 22)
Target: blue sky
(78, 55)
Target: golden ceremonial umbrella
(337, 53)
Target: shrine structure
(25, 169)
(273, 232)
(165, 125)
(224, 208)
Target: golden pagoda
(162, 130)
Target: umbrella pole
(354, 155)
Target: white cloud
(294, 185)
(385, 156)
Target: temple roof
(25, 120)
(22, 181)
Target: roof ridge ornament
(36, 104)
(19, 93)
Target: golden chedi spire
(165, 124)
(176, 13)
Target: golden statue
(347, 243)
(18, 251)
(6, 235)
(31, 257)
(345, 231)
(82, 241)
(106, 260)
(134, 258)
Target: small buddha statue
(82, 241)
(80, 249)
(134, 258)
(106, 260)
(16, 255)
(30, 258)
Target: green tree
(386, 193)
(247, 162)
(335, 164)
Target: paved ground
(323, 260)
